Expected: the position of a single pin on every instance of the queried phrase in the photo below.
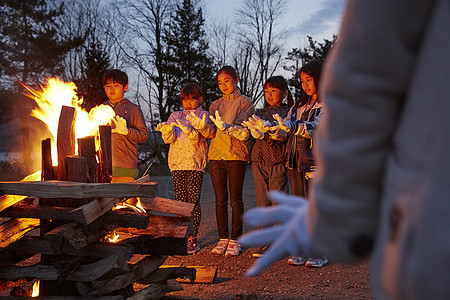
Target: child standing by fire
(128, 127)
(301, 124)
(268, 157)
(228, 155)
(187, 153)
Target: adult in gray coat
(382, 190)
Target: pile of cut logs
(72, 205)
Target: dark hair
(280, 83)
(115, 75)
(228, 70)
(313, 69)
(191, 90)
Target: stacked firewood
(77, 220)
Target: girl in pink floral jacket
(188, 153)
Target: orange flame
(133, 203)
(57, 94)
(112, 237)
(36, 289)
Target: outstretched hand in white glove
(221, 125)
(165, 127)
(121, 125)
(196, 122)
(238, 132)
(183, 126)
(260, 124)
(288, 237)
(282, 124)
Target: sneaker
(316, 262)
(260, 252)
(221, 247)
(233, 249)
(297, 260)
(192, 246)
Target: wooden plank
(107, 285)
(157, 290)
(120, 217)
(41, 245)
(79, 190)
(86, 148)
(83, 273)
(14, 229)
(166, 273)
(8, 200)
(204, 274)
(167, 226)
(65, 142)
(48, 172)
(168, 206)
(105, 154)
(95, 209)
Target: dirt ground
(281, 281)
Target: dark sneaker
(221, 247)
(260, 252)
(233, 249)
(192, 245)
(316, 262)
(297, 260)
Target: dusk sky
(317, 18)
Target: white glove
(256, 133)
(121, 125)
(238, 132)
(288, 237)
(218, 121)
(260, 124)
(196, 122)
(183, 126)
(165, 128)
(282, 124)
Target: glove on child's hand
(196, 122)
(238, 132)
(282, 124)
(256, 133)
(260, 124)
(287, 236)
(183, 126)
(121, 125)
(165, 127)
(218, 121)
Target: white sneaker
(221, 247)
(316, 262)
(233, 249)
(297, 260)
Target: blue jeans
(232, 171)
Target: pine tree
(187, 59)
(31, 46)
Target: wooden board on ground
(205, 274)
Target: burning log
(168, 226)
(66, 139)
(168, 206)
(105, 154)
(86, 148)
(41, 245)
(122, 218)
